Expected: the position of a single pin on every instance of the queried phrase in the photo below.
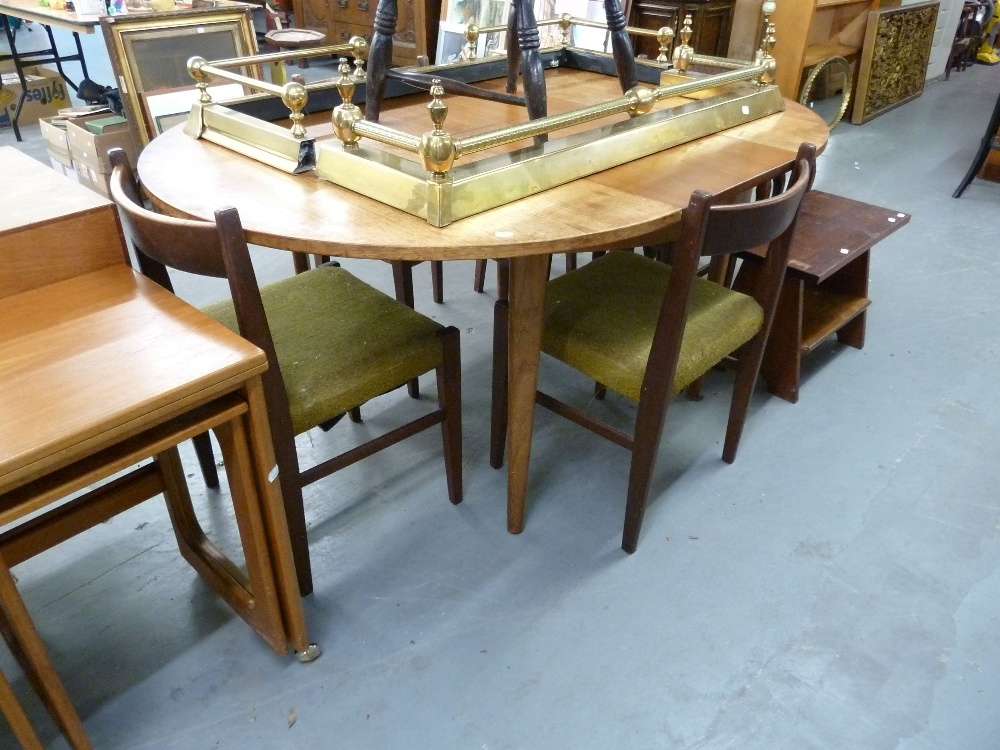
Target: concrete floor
(837, 587)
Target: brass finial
(345, 84)
(640, 99)
(195, 65)
(437, 148)
(437, 108)
(295, 96)
(664, 35)
(565, 23)
(472, 37)
(767, 58)
(347, 113)
(360, 50)
(683, 53)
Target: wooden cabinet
(810, 31)
(711, 23)
(416, 27)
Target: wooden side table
(826, 284)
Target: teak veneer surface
(43, 213)
(97, 358)
(641, 200)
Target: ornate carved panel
(894, 58)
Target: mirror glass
(827, 89)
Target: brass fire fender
(439, 192)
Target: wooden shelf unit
(810, 31)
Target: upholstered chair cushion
(600, 320)
(339, 342)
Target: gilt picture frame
(149, 54)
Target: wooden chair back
(199, 247)
(711, 229)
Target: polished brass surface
(247, 135)
(626, 103)
(665, 35)
(469, 189)
(437, 148)
(294, 96)
(347, 114)
(425, 181)
(684, 52)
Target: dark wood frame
(712, 226)
(220, 250)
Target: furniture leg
(851, 280)
(449, 382)
(782, 363)
(254, 595)
(206, 459)
(276, 524)
(301, 262)
(498, 402)
(528, 277)
(380, 57)
(437, 280)
(480, 279)
(28, 648)
(402, 280)
(17, 718)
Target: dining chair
(332, 343)
(647, 329)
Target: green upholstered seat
(339, 341)
(600, 320)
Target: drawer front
(354, 11)
(342, 32)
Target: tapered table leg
(528, 277)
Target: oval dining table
(638, 203)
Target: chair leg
(746, 379)
(206, 459)
(301, 262)
(600, 391)
(17, 718)
(479, 282)
(503, 278)
(402, 279)
(646, 444)
(29, 650)
(449, 382)
(437, 280)
(498, 405)
(355, 414)
(570, 262)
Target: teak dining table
(101, 370)
(638, 203)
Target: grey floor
(837, 587)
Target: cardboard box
(56, 140)
(89, 152)
(47, 94)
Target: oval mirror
(827, 90)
